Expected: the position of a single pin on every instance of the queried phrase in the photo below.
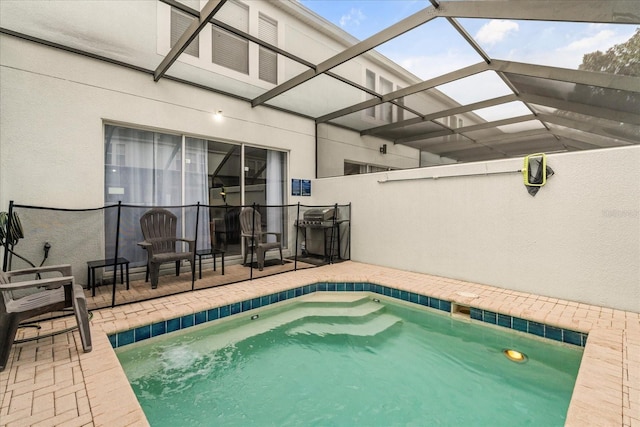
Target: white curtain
(197, 188)
(275, 163)
(142, 168)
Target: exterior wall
(577, 239)
(54, 105)
(335, 145)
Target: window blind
(268, 60)
(229, 50)
(180, 21)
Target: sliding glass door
(145, 168)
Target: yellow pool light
(515, 355)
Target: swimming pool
(353, 360)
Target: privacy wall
(577, 239)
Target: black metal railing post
(6, 237)
(333, 236)
(253, 240)
(195, 249)
(349, 231)
(115, 255)
(295, 257)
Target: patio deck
(51, 382)
(169, 284)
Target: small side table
(209, 252)
(91, 271)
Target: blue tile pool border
(142, 333)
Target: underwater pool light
(515, 355)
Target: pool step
(305, 311)
(342, 298)
(187, 352)
(373, 327)
(360, 310)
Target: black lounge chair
(255, 239)
(159, 227)
(42, 296)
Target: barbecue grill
(318, 217)
(321, 232)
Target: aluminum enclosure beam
(584, 127)
(187, 37)
(389, 33)
(237, 32)
(471, 128)
(465, 35)
(286, 54)
(443, 113)
(409, 90)
(587, 110)
(591, 78)
(107, 60)
(515, 137)
(586, 138)
(591, 11)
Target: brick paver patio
(51, 382)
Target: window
(385, 87)
(268, 60)
(351, 168)
(180, 21)
(354, 168)
(371, 84)
(229, 50)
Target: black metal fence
(102, 244)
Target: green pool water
(359, 363)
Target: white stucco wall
(54, 105)
(577, 239)
(337, 145)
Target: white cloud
(478, 87)
(570, 55)
(430, 66)
(599, 41)
(495, 31)
(354, 17)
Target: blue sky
(436, 48)
(550, 43)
